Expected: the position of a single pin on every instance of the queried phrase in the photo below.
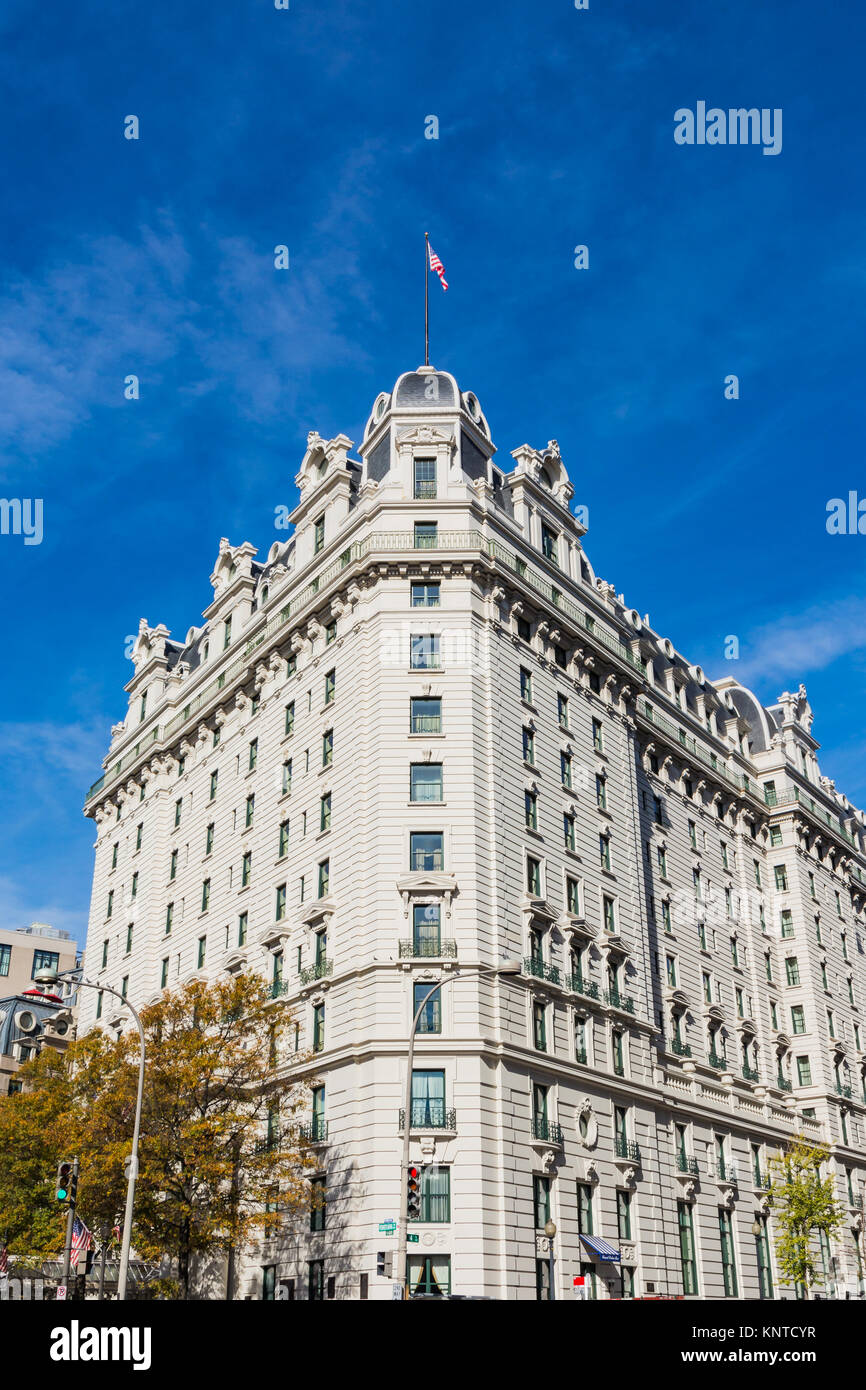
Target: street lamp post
(509, 967)
(550, 1232)
(52, 977)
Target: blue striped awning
(601, 1248)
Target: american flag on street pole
(437, 266)
(4, 1260)
(82, 1238)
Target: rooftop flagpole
(426, 300)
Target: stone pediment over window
(320, 910)
(715, 1012)
(424, 434)
(235, 961)
(540, 909)
(274, 936)
(577, 926)
(677, 997)
(423, 882)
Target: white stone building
(422, 738)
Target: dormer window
(425, 477)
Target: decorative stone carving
(587, 1125)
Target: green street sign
(413, 1239)
(388, 1227)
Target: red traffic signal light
(413, 1203)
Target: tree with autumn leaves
(803, 1204)
(220, 1157)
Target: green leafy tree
(220, 1157)
(32, 1221)
(804, 1204)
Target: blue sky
(306, 127)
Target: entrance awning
(600, 1248)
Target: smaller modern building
(31, 1017)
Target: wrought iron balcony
(533, 966)
(680, 1049)
(278, 988)
(619, 1001)
(316, 1132)
(429, 1114)
(425, 488)
(784, 1084)
(427, 950)
(580, 1055)
(626, 1148)
(726, 1172)
(319, 971)
(721, 1063)
(843, 1091)
(269, 1144)
(688, 1165)
(546, 1130)
(750, 1074)
(579, 985)
(762, 1181)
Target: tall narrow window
(541, 1202)
(687, 1248)
(424, 477)
(539, 1026)
(762, 1248)
(430, 1018)
(726, 1239)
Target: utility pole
(70, 1219)
(508, 967)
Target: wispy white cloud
(72, 750)
(198, 305)
(797, 643)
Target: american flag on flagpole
(4, 1260)
(82, 1238)
(437, 266)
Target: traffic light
(64, 1181)
(413, 1204)
(384, 1263)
